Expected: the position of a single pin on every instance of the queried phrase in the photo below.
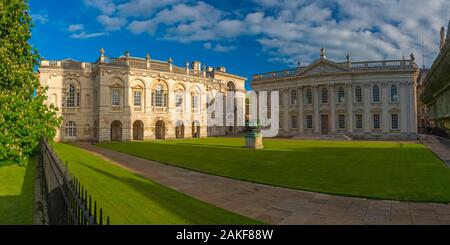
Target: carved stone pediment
(322, 67)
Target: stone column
(413, 107)
(332, 102)
(367, 107)
(285, 98)
(385, 107)
(300, 109)
(403, 108)
(315, 94)
(349, 101)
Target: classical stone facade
(436, 91)
(128, 98)
(361, 100)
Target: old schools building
(361, 100)
(128, 98)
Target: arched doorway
(160, 130)
(138, 130)
(179, 130)
(116, 131)
(195, 129)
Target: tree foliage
(24, 117)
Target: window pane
(341, 121)
(359, 121)
(358, 95)
(116, 97)
(394, 121)
(324, 96)
(376, 94)
(137, 98)
(376, 121)
(71, 96)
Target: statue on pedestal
(253, 138)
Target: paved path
(276, 205)
(440, 150)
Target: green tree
(24, 118)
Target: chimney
(196, 65)
(442, 38)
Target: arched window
(324, 96)
(341, 95)
(376, 93)
(394, 93)
(308, 97)
(294, 97)
(358, 94)
(71, 129)
(70, 97)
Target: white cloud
(84, 35)
(207, 45)
(143, 7)
(220, 48)
(105, 6)
(39, 18)
(111, 23)
(75, 27)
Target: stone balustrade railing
(355, 66)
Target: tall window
(376, 93)
(116, 97)
(294, 97)
(71, 129)
(394, 93)
(324, 96)
(309, 122)
(159, 96)
(376, 121)
(341, 121)
(137, 98)
(308, 97)
(394, 121)
(70, 98)
(195, 102)
(359, 121)
(358, 94)
(341, 95)
(294, 122)
(78, 99)
(179, 101)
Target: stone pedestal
(253, 140)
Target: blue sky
(246, 37)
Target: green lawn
(386, 170)
(131, 199)
(17, 194)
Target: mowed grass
(17, 194)
(130, 199)
(380, 170)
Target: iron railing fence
(67, 199)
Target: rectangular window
(195, 102)
(341, 121)
(394, 121)
(78, 99)
(137, 98)
(294, 122)
(376, 121)
(309, 122)
(116, 97)
(359, 121)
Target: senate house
(129, 98)
(359, 100)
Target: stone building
(361, 100)
(423, 121)
(129, 98)
(436, 93)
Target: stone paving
(275, 205)
(440, 150)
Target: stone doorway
(324, 124)
(116, 131)
(195, 129)
(138, 130)
(160, 130)
(179, 130)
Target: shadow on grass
(189, 209)
(18, 209)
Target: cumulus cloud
(75, 27)
(288, 30)
(111, 23)
(105, 6)
(39, 18)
